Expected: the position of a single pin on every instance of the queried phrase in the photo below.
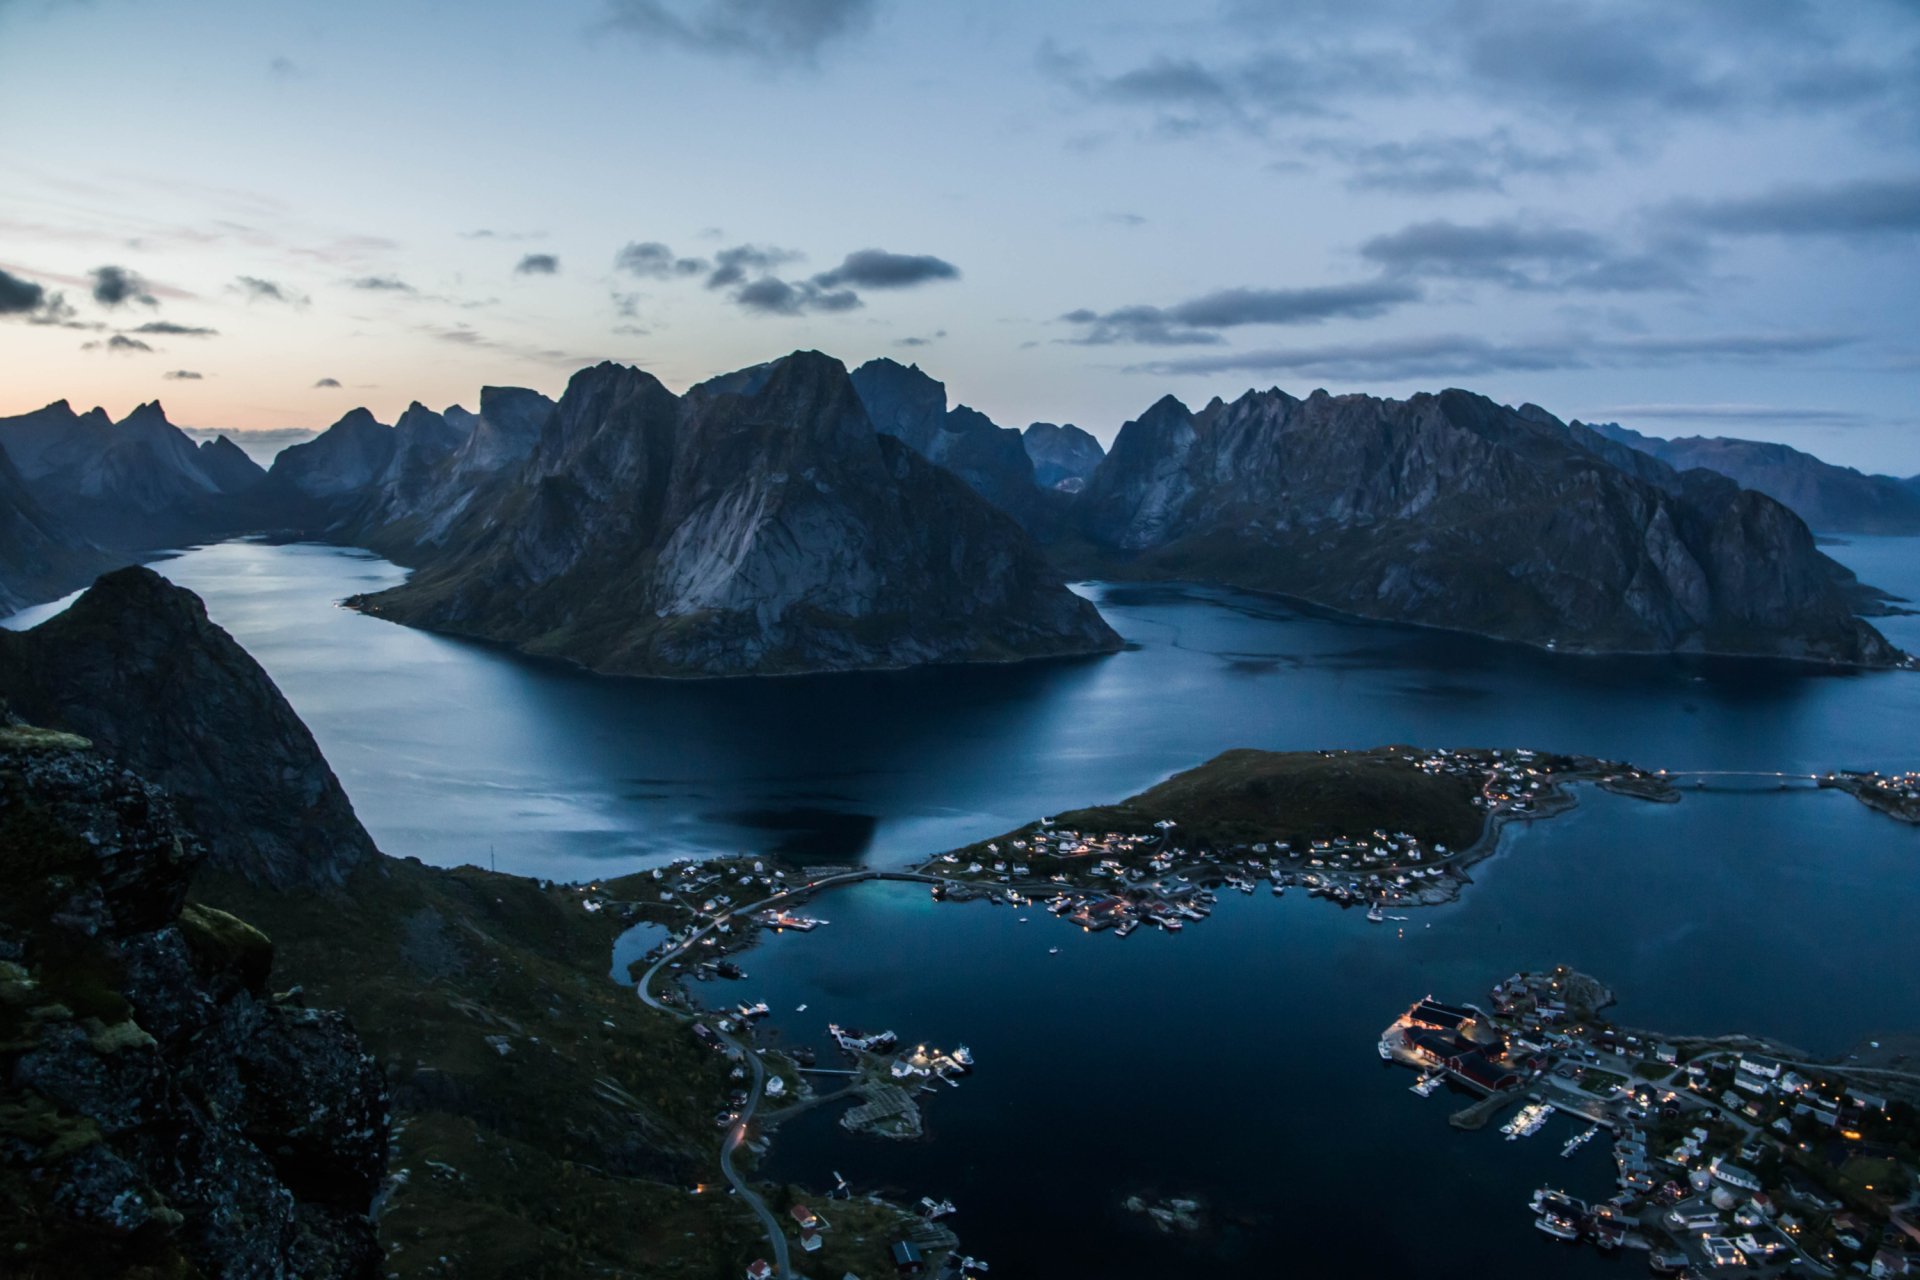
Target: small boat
(1560, 1228)
(1053, 951)
(1374, 913)
(801, 1009)
(963, 1056)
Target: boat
(1560, 1228)
(932, 1209)
(1385, 1051)
(1426, 1084)
(963, 1056)
(1374, 913)
(1053, 951)
(1547, 1200)
(1577, 1141)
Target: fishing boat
(1375, 914)
(1557, 1226)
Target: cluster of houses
(1897, 794)
(1726, 1159)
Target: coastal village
(1728, 1156)
(1732, 1156)
(1895, 794)
(1155, 872)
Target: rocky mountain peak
(136, 666)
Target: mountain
(1063, 457)
(905, 403)
(160, 1113)
(1449, 510)
(137, 484)
(40, 558)
(228, 465)
(338, 465)
(733, 532)
(1829, 498)
(135, 665)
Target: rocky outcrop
(1830, 499)
(1452, 511)
(1064, 457)
(756, 525)
(905, 403)
(160, 1113)
(136, 484)
(136, 666)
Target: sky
(1691, 218)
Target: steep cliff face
(339, 464)
(160, 1113)
(1452, 511)
(136, 666)
(1829, 498)
(135, 484)
(736, 532)
(1064, 457)
(40, 557)
(905, 403)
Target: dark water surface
(1234, 1061)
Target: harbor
(1728, 1152)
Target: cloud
(920, 342)
(257, 290)
(1438, 164)
(327, 383)
(771, 296)
(650, 259)
(1197, 321)
(1466, 355)
(775, 32)
(537, 264)
(464, 336)
(183, 375)
(878, 269)
(20, 297)
(487, 233)
(382, 284)
(1735, 413)
(1183, 95)
(1858, 208)
(731, 266)
(117, 286)
(1526, 255)
(119, 342)
(169, 329)
(283, 68)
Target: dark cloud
(169, 329)
(257, 290)
(20, 297)
(1197, 321)
(327, 383)
(920, 342)
(732, 266)
(878, 269)
(183, 375)
(382, 284)
(1465, 355)
(770, 31)
(1863, 207)
(537, 264)
(772, 296)
(652, 260)
(118, 286)
(119, 342)
(1530, 256)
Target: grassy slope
(1246, 796)
(570, 1155)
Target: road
(737, 1132)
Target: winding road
(737, 1132)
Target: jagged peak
(359, 418)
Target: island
(1896, 795)
(1730, 1151)
(1389, 827)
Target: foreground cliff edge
(163, 1114)
(545, 1122)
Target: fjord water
(1234, 1061)
(457, 752)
